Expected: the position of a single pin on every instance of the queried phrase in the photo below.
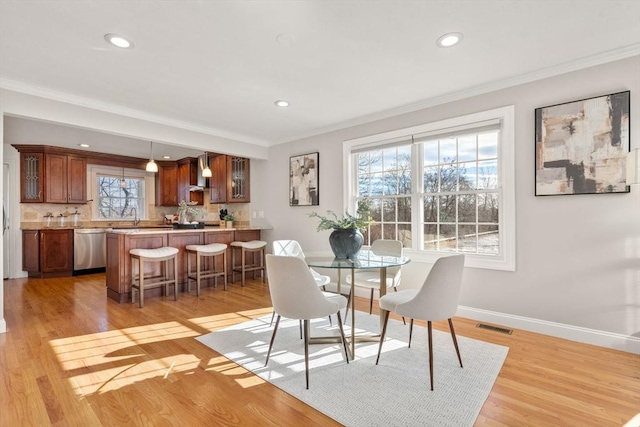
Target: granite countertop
(128, 228)
(185, 230)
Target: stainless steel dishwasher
(89, 249)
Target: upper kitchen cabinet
(51, 177)
(167, 184)
(66, 179)
(188, 188)
(31, 177)
(230, 179)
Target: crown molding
(566, 67)
(586, 62)
(20, 87)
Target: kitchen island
(121, 241)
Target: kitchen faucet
(136, 220)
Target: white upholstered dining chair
(370, 279)
(293, 248)
(295, 295)
(437, 299)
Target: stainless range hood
(202, 181)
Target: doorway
(5, 221)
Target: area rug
(394, 393)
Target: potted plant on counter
(346, 238)
(228, 219)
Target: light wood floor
(71, 357)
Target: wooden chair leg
(233, 264)
(410, 331)
(242, 267)
(306, 350)
(346, 311)
(198, 273)
(141, 283)
(344, 340)
(224, 268)
(384, 332)
(133, 279)
(175, 277)
(273, 337)
(371, 302)
(455, 341)
(429, 331)
(189, 271)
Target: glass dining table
(366, 259)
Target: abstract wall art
(581, 146)
(303, 180)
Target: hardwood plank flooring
(72, 357)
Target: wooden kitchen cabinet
(230, 180)
(188, 177)
(66, 179)
(47, 253)
(167, 184)
(31, 177)
(31, 251)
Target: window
(115, 202)
(441, 187)
(384, 176)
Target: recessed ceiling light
(282, 103)
(166, 157)
(119, 41)
(84, 145)
(449, 39)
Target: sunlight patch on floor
(109, 379)
(109, 360)
(224, 366)
(218, 321)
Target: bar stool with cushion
(141, 282)
(251, 247)
(203, 251)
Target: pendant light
(206, 172)
(123, 183)
(151, 165)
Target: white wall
(578, 257)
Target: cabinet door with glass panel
(237, 180)
(230, 180)
(31, 177)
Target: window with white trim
(441, 187)
(114, 201)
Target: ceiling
(218, 66)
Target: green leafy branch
(333, 222)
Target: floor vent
(494, 328)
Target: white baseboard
(626, 343)
(3, 326)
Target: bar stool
(211, 250)
(252, 246)
(165, 254)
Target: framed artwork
(304, 179)
(581, 146)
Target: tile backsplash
(35, 212)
